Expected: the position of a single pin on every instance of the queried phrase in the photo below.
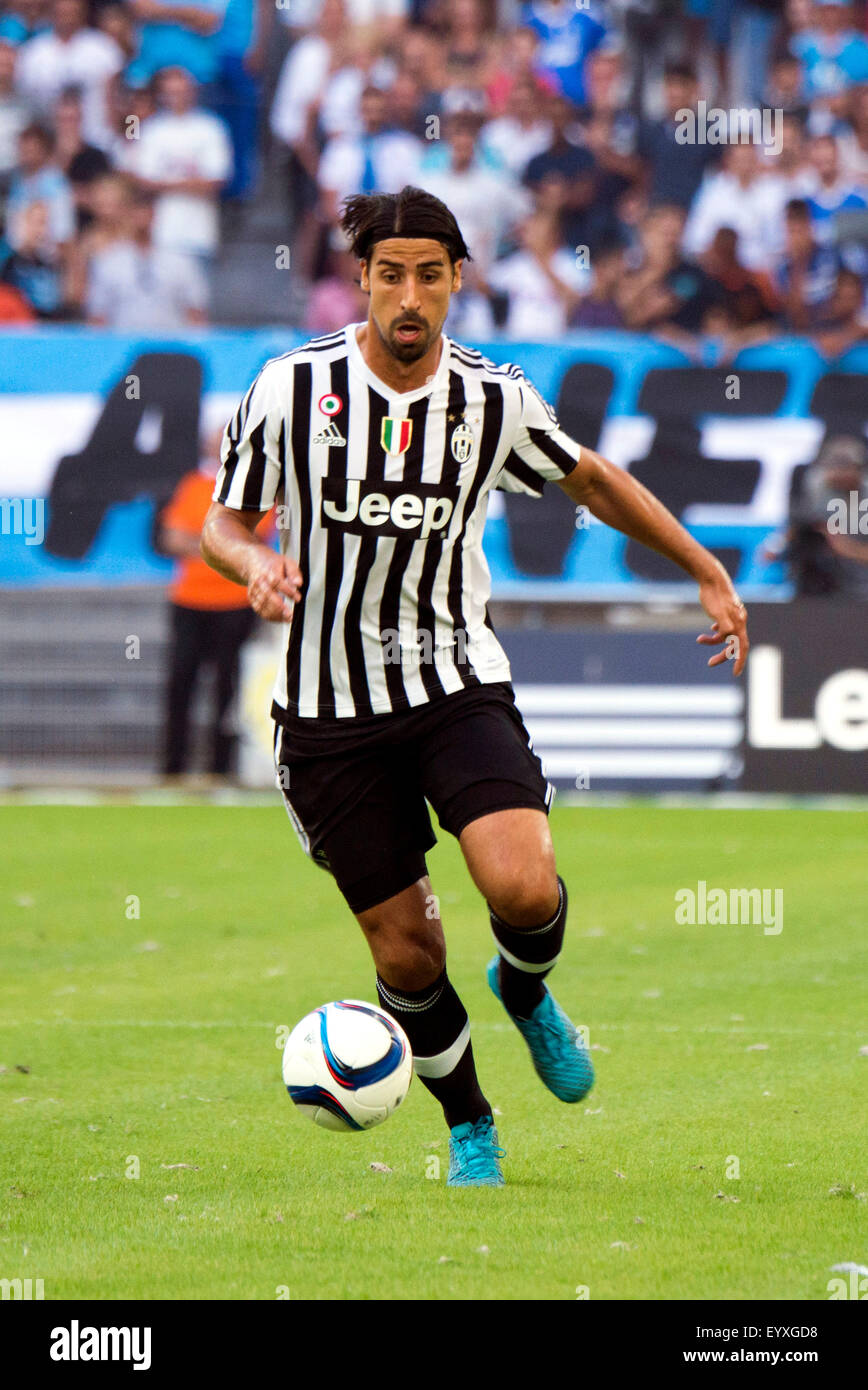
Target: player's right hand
(273, 586)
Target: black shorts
(355, 789)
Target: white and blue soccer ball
(347, 1065)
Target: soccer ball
(347, 1065)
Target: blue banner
(97, 429)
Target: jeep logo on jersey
(395, 435)
(462, 443)
(363, 507)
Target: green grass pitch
(147, 1045)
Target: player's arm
(620, 500)
(250, 480)
(230, 546)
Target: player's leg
(405, 936)
(360, 815)
(511, 860)
(486, 784)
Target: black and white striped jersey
(382, 498)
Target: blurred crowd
(690, 168)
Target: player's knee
(526, 899)
(407, 957)
(412, 964)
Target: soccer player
(382, 442)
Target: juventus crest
(462, 443)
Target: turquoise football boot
(474, 1156)
(559, 1057)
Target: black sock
(527, 954)
(436, 1023)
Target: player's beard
(407, 352)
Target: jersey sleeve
(541, 451)
(253, 450)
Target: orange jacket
(195, 584)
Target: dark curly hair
(372, 217)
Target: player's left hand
(728, 622)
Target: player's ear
(456, 275)
(364, 281)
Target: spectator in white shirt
(306, 68)
(487, 204)
(343, 68)
(543, 281)
(378, 159)
(522, 132)
(745, 199)
(110, 204)
(359, 63)
(297, 118)
(184, 158)
(135, 286)
(71, 55)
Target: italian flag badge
(395, 435)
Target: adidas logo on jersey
(390, 508)
(330, 435)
